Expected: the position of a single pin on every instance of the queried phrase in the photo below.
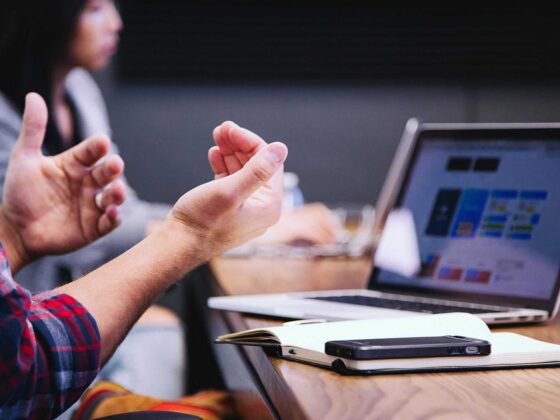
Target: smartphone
(395, 348)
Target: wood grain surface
(301, 391)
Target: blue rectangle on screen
(533, 195)
(470, 212)
(492, 234)
(443, 211)
(535, 219)
(509, 194)
(522, 236)
(496, 219)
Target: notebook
(306, 343)
(467, 221)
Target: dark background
(336, 83)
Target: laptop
(468, 220)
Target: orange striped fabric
(107, 398)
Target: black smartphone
(395, 348)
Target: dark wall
(341, 138)
(337, 84)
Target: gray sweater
(136, 214)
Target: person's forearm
(119, 292)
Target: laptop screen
(482, 216)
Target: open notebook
(306, 343)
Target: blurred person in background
(46, 47)
(50, 47)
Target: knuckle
(261, 172)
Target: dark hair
(34, 36)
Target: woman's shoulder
(81, 85)
(87, 97)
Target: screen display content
(485, 217)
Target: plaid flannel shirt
(49, 350)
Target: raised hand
(50, 202)
(244, 200)
(235, 145)
(311, 224)
(205, 221)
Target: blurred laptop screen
(485, 215)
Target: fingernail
(278, 151)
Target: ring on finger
(98, 199)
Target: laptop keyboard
(403, 305)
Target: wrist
(13, 243)
(186, 246)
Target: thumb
(257, 172)
(34, 124)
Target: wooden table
(278, 388)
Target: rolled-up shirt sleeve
(49, 350)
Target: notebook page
(314, 336)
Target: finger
(240, 139)
(89, 151)
(221, 139)
(322, 233)
(217, 163)
(34, 124)
(257, 172)
(243, 158)
(113, 195)
(310, 229)
(109, 220)
(312, 237)
(232, 163)
(323, 218)
(325, 234)
(217, 134)
(107, 171)
(237, 144)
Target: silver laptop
(468, 220)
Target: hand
(234, 147)
(312, 224)
(49, 202)
(243, 201)
(240, 204)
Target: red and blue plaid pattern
(49, 350)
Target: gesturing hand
(49, 202)
(243, 201)
(234, 147)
